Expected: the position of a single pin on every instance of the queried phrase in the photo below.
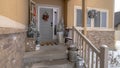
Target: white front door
(46, 24)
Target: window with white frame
(79, 17)
(100, 19)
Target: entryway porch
(47, 26)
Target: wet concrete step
(54, 64)
(46, 53)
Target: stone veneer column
(12, 43)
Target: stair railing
(93, 57)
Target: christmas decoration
(45, 16)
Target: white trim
(99, 9)
(55, 8)
(98, 29)
(113, 21)
(108, 19)
(9, 23)
(75, 10)
(92, 23)
(95, 29)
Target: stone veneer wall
(30, 45)
(99, 38)
(12, 43)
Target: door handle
(51, 24)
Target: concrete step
(54, 64)
(46, 53)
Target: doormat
(48, 43)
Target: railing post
(104, 56)
(73, 35)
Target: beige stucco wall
(16, 10)
(106, 5)
(100, 4)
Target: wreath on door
(45, 16)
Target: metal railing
(93, 57)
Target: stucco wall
(16, 10)
(13, 19)
(106, 4)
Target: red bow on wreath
(45, 16)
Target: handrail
(87, 40)
(94, 57)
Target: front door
(46, 24)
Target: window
(104, 19)
(97, 20)
(79, 17)
(100, 19)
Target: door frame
(55, 8)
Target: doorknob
(51, 24)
